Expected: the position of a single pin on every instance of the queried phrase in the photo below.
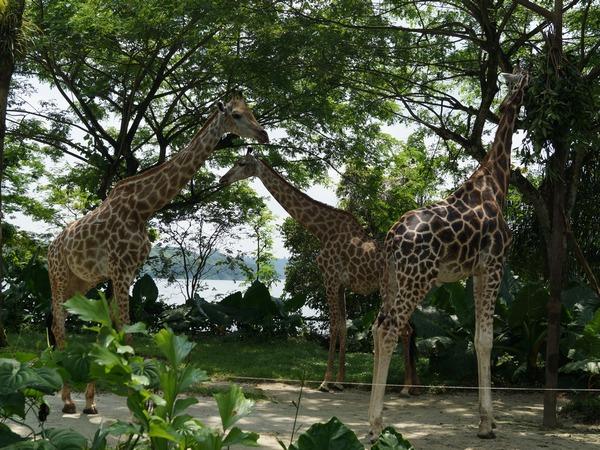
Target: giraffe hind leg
(485, 289)
(334, 318)
(342, 332)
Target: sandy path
(430, 421)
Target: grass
(232, 358)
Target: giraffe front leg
(408, 362)
(385, 338)
(485, 289)
(90, 404)
(58, 330)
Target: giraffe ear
(221, 106)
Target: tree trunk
(556, 250)
(6, 69)
(10, 21)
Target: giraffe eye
(236, 115)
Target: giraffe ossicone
(463, 235)
(111, 242)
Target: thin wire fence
(420, 386)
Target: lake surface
(212, 290)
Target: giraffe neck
(497, 161)
(152, 190)
(318, 218)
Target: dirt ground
(429, 421)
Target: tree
(11, 20)
(261, 231)
(440, 62)
(192, 235)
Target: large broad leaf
(258, 298)
(216, 313)
(8, 437)
(138, 327)
(390, 439)
(12, 405)
(150, 368)
(333, 435)
(145, 289)
(65, 439)
(239, 437)
(232, 406)
(189, 376)
(90, 310)
(161, 429)
(174, 348)
(182, 404)
(75, 360)
(15, 376)
(529, 305)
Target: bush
(583, 408)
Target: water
(211, 290)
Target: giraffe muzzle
(262, 136)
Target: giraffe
(465, 234)
(111, 242)
(349, 258)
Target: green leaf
(189, 376)
(333, 435)
(65, 439)
(150, 368)
(7, 436)
(138, 327)
(174, 348)
(15, 376)
(239, 437)
(145, 289)
(208, 439)
(90, 310)
(232, 406)
(104, 357)
(181, 404)
(12, 405)
(135, 403)
(161, 429)
(120, 428)
(124, 349)
(390, 439)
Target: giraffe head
(517, 83)
(238, 119)
(245, 167)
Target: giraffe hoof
(489, 435)
(371, 437)
(337, 387)
(415, 391)
(69, 408)
(324, 387)
(90, 411)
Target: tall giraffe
(111, 242)
(462, 235)
(348, 259)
